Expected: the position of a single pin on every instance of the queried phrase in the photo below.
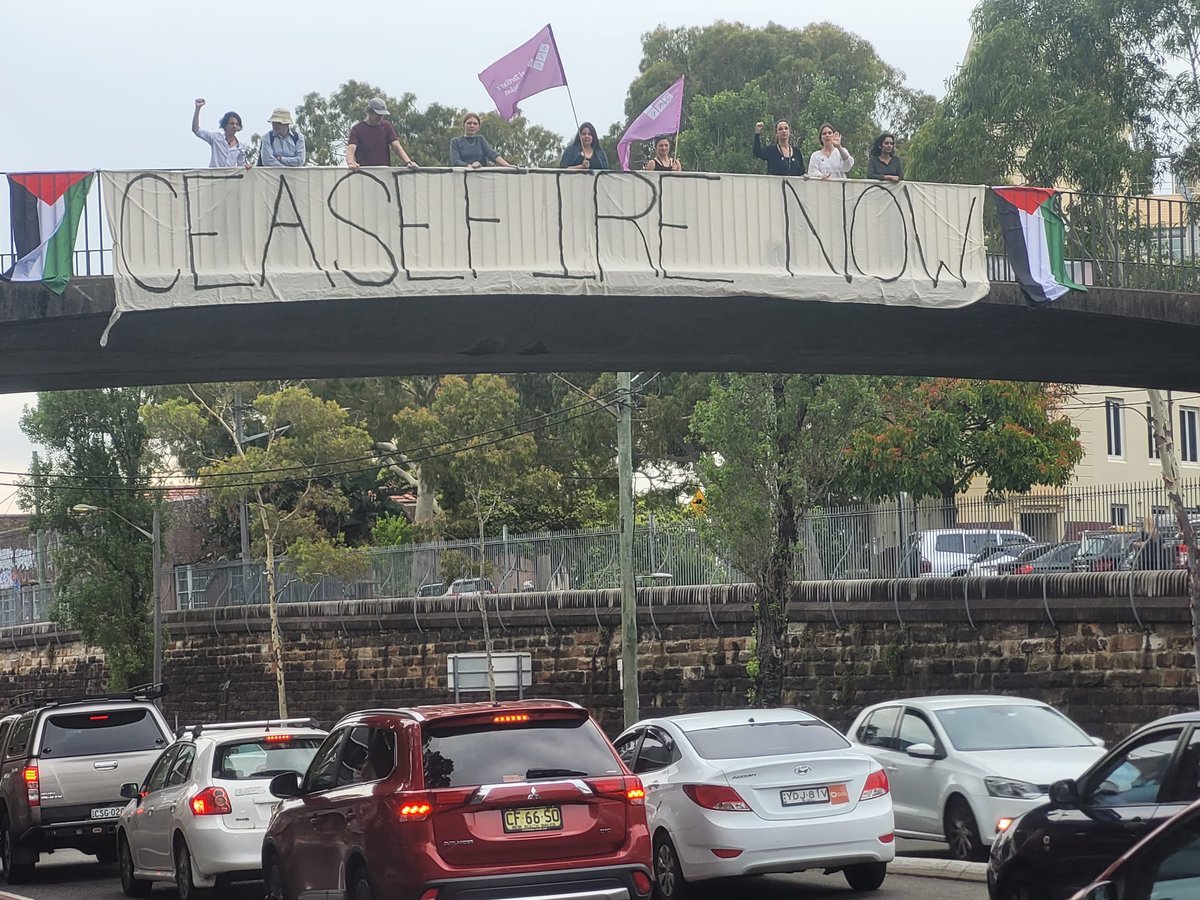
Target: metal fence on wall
(838, 543)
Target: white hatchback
(758, 791)
(199, 816)
(963, 767)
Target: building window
(1188, 445)
(1151, 446)
(1115, 422)
(1118, 514)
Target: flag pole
(566, 83)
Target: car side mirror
(1065, 792)
(285, 785)
(923, 751)
(131, 790)
(1098, 741)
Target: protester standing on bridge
(471, 150)
(832, 160)
(227, 151)
(585, 153)
(883, 164)
(781, 157)
(283, 145)
(662, 161)
(371, 139)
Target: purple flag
(660, 117)
(530, 69)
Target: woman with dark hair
(472, 150)
(884, 165)
(832, 160)
(585, 153)
(781, 157)
(662, 161)
(228, 152)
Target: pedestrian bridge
(229, 274)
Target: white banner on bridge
(218, 236)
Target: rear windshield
(497, 754)
(263, 758)
(101, 732)
(754, 739)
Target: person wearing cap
(371, 139)
(227, 151)
(283, 145)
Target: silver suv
(63, 763)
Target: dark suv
(63, 763)
(522, 799)
(1059, 847)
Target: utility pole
(39, 537)
(239, 436)
(629, 648)
(156, 570)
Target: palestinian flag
(1033, 238)
(46, 207)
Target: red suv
(523, 799)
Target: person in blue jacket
(585, 154)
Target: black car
(1057, 558)
(1061, 846)
(1104, 551)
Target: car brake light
(1182, 560)
(1102, 565)
(716, 796)
(430, 894)
(277, 738)
(641, 882)
(1026, 569)
(726, 853)
(413, 807)
(876, 786)
(887, 838)
(33, 791)
(97, 718)
(454, 797)
(510, 718)
(623, 788)
(212, 801)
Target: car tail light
(1102, 565)
(430, 894)
(627, 788)
(33, 789)
(876, 786)
(726, 853)
(925, 566)
(716, 796)
(1026, 569)
(1181, 560)
(414, 807)
(641, 882)
(454, 797)
(212, 801)
(887, 838)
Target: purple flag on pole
(660, 117)
(530, 69)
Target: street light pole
(629, 646)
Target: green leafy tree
(937, 435)
(290, 478)
(775, 447)
(96, 452)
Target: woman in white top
(832, 160)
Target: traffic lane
(67, 875)
(70, 875)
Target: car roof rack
(265, 724)
(31, 701)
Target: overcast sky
(112, 85)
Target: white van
(950, 551)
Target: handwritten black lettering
(364, 282)
(562, 253)
(122, 233)
(935, 276)
(893, 203)
(787, 187)
(632, 219)
(662, 193)
(404, 226)
(276, 222)
(192, 233)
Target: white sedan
(199, 817)
(752, 792)
(963, 767)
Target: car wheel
(669, 883)
(866, 876)
(183, 873)
(130, 884)
(273, 879)
(962, 834)
(14, 872)
(363, 887)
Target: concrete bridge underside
(1137, 339)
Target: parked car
(1002, 559)
(1104, 551)
(950, 551)
(1062, 845)
(1054, 560)
(961, 765)
(514, 799)
(198, 817)
(433, 589)
(773, 790)
(64, 761)
(1164, 864)
(471, 587)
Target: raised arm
(196, 117)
